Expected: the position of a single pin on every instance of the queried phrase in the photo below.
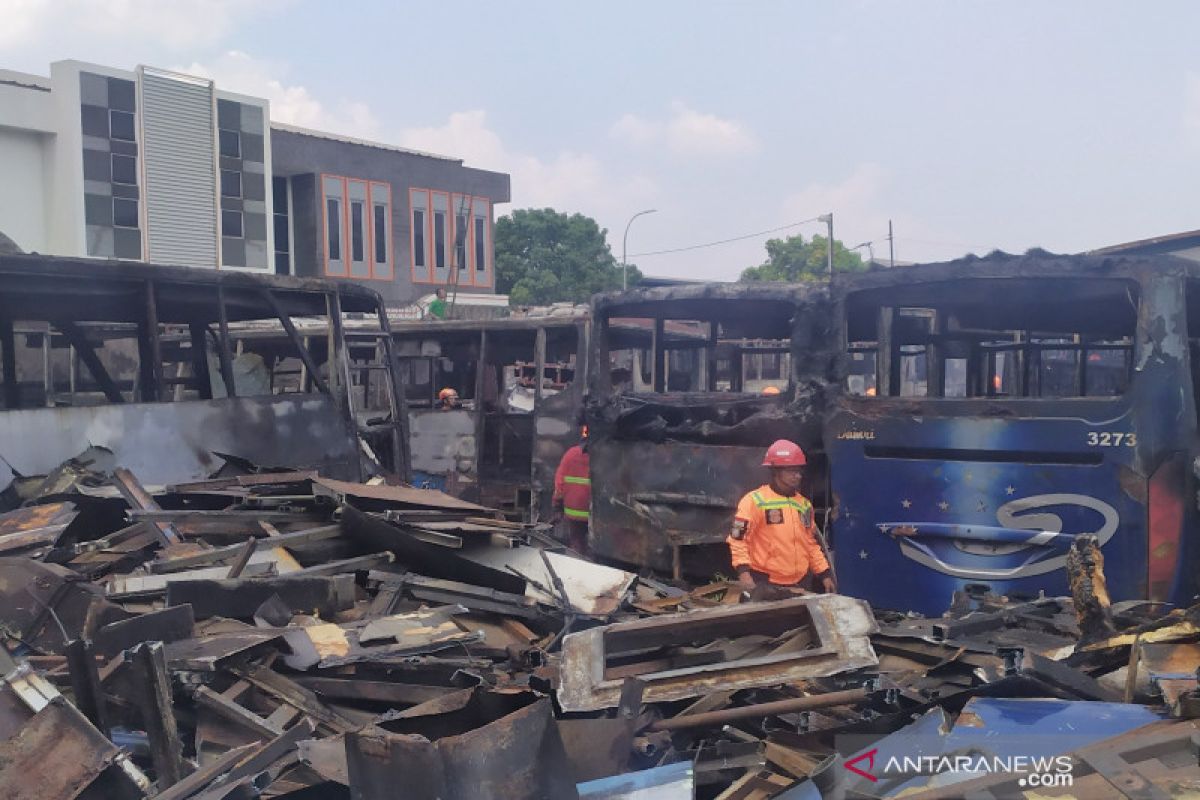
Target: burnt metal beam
(150, 350)
(8, 344)
(200, 374)
(224, 352)
(85, 683)
(243, 557)
(760, 710)
(202, 777)
(218, 554)
(660, 355)
(139, 499)
(230, 711)
(158, 715)
(887, 355)
(289, 328)
(402, 458)
(87, 354)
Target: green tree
(544, 256)
(794, 260)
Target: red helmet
(784, 454)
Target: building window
(480, 245)
(231, 224)
(439, 239)
(283, 256)
(231, 143)
(418, 237)
(481, 239)
(121, 125)
(381, 233)
(124, 169)
(333, 227)
(231, 183)
(460, 240)
(125, 213)
(356, 231)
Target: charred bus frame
(146, 358)
(990, 410)
(520, 381)
(671, 459)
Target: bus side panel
(643, 493)
(917, 518)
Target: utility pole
(891, 246)
(828, 220)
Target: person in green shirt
(437, 309)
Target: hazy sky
(972, 125)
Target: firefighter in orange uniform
(573, 494)
(774, 539)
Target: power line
(724, 241)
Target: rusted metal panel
(46, 606)
(643, 531)
(476, 750)
(402, 495)
(35, 526)
(838, 627)
(56, 755)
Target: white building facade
(144, 165)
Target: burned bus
(991, 410)
(519, 382)
(138, 359)
(679, 421)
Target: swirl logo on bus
(1029, 540)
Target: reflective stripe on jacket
(573, 483)
(780, 537)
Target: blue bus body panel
(926, 506)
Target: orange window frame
(344, 231)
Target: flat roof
(336, 137)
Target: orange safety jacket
(780, 537)
(573, 484)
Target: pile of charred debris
(280, 634)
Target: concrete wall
(305, 157)
(23, 200)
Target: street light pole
(625, 245)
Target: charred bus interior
(139, 359)
(680, 419)
(519, 386)
(992, 338)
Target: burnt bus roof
(1090, 293)
(768, 306)
(1034, 265)
(48, 288)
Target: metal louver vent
(180, 173)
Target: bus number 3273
(1111, 439)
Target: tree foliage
(794, 260)
(544, 256)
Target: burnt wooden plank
(167, 625)
(158, 714)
